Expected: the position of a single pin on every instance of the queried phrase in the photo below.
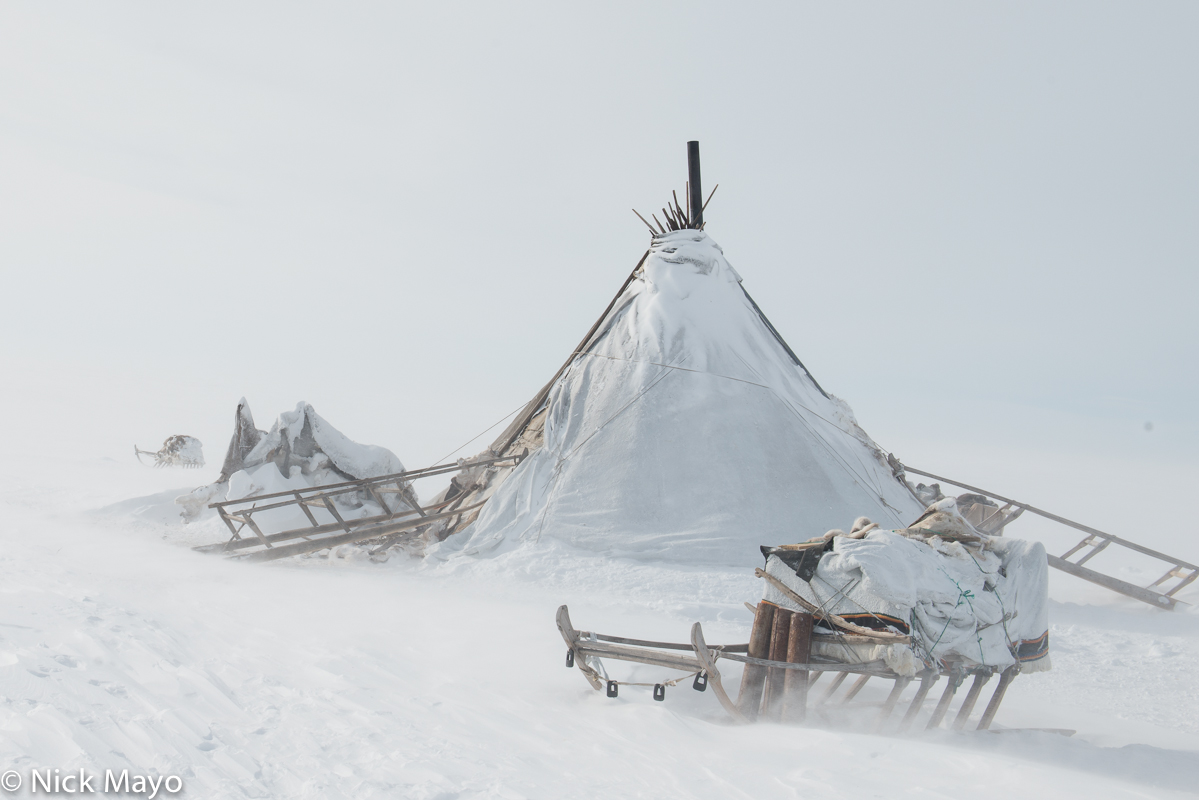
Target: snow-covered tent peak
(687, 249)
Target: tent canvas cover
(684, 428)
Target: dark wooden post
(695, 198)
(753, 679)
(799, 651)
(772, 705)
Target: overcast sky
(975, 224)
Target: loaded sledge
(938, 599)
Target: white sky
(977, 225)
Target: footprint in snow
(115, 689)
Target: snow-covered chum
(684, 428)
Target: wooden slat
(889, 704)
(951, 688)
(927, 679)
(257, 532)
(1115, 584)
(876, 668)
(1099, 548)
(312, 546)
(1089, 541)
(229, 523)
(1005, 679)
(723, 648)
(349, 486)
(297, 533)
(1184, 583)
(833, 687)
(332, 509)
(308, 511)
(362, 534)
(622, 653)
(858, 685)
(1069, 522)
(980, 680)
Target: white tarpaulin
(976, 605)
(687, 430)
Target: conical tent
(683, 427)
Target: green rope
(1002, 607)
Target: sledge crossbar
(1185, 573)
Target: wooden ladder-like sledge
(402, 517)
(780, 671)
(1159, 594)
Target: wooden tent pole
(695, 199)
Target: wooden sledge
(780, 670)
(402, 516)
(1159, 594)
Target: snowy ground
(121, 648)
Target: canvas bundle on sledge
(304, 487)
(960, 595)
(937, 599)
(300, 451)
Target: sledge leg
(1005, 679)
(836, 684)
(889, 705)
(980, 680)
(572, 639)
(927, 679)
(853, 690)
(709, 664)
(955, 679)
